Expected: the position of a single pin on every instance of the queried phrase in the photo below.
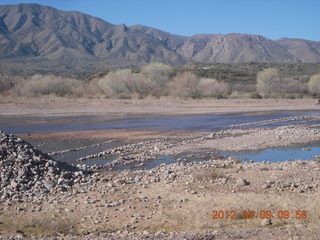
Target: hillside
(35, 38)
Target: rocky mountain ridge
(42, 38)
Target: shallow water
(24, 125)
(48, 146)
(166, 159)
(307, 152)
(96, 161)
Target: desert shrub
(116, 83)
(49, 84)
(8, 82)
(314, 84)
(185, 85)
(243, 90)
(140, 85)
(159, 75)
(212, 88)
(93, 89)
(243, 87)
(293, 87)
(268, 83)
(207, 175)
(124, 83)
(292, 95)
(255, 95)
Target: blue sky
(271, 18)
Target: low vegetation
(314, 84)
(44, 85)
(191, 81)
(187, 84)
(271, 84)
(152, 80)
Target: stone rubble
(26, 173)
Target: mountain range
(36, 38)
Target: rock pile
(28, 174)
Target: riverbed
(186, 129)
(207, 122)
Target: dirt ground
(221, 198)
(185, 204)
(61, 106)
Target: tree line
(159, 80)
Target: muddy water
(24, 125)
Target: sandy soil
(118, 207)
(62, 106)
(119, 134)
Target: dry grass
(178, 209)
(39, 85)
(39, 225)
(207, 175)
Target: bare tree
(159, 75)
(212, 88)
(49, 84)
(314, 84)
(290, 85)
(116, 83)
(8, 82)
(185, 85)
(125, 83)
(140, 85)
(269, 83)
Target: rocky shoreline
(41, 198)
(113, 194)
(26, 174)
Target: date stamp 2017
(262, 214)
